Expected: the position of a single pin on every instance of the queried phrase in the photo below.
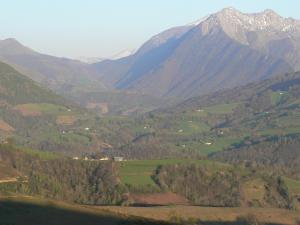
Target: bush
(249, 219)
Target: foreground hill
(28, 211)
(221, 51)
(148, 182)
(95, 183)
(23, 210)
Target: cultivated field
(139, 172)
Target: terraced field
(221, 108)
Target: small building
(104, 159)
(76, 158)
(118, 159)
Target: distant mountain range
(226, 49)
(119, 55)
(223, 50)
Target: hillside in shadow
(32, 213)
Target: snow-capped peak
(122, 54)
(237, 24)
(268, 19)
(90, 60)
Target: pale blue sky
(73, 28)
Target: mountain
(37, 117)
(59, 74)
(224, 50)
(74, 79)
(26, 109)
(15, 88)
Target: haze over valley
(198, 125)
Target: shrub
(249, 219)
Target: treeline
(199, 185)
(280, 152)
(62, 178)
(224, 187)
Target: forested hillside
(204, 183)
(55, 176)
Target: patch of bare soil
(7, 173)
(3, 103)
(65, 120)
(158, 199)
(25, 111)
(3, 90)
(6, 127)
(209, 214)
(103, 106)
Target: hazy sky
(73, 28)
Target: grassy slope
(28, 210)
(293, 186)
(139, 172)
(138, 175)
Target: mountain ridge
(219, 51)
(59, 74)
(225, 49)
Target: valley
(163, 151)
(199, 125)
